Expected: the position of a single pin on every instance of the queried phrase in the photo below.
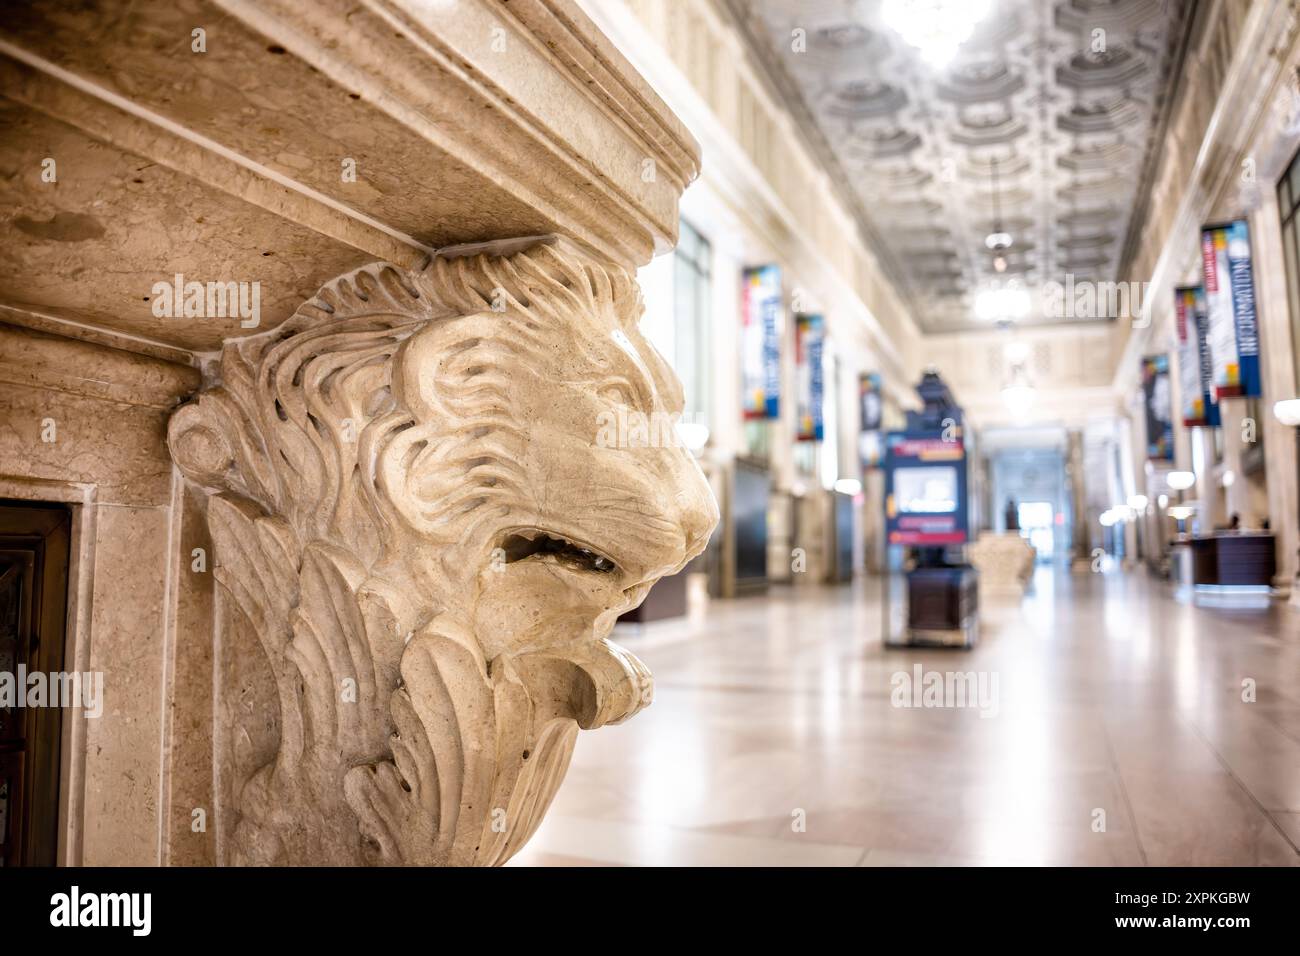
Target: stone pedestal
(1005, 562)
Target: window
(692, 267)
(1288, 204)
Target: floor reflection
(1121, 737)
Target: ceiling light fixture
(935, 27)
(1018, 394)
(997, 241)
(1004, 303)
(1016, 352)
(1180, 480)
(1018, 397)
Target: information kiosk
(931, 593)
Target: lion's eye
(618, 394)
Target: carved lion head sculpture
(412, 510)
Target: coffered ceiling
(1061, 100)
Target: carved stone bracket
(415, 520)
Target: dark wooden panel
(34, 552)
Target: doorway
(1037, 520)
(34, 551)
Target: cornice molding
(230, 163)
(38, 360)
(1172, 93)
(528, 111)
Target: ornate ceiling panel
(1057, 101)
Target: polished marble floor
(1118, 735)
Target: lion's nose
(698, 511)
(684, 498)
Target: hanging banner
(810, 337)
(1233, 332)
(1195, 367)
(1159, 408)
(760, 342)
(871, 406)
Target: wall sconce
(1288, 412)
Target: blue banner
(760, 345)
(1195, 366)
(1159, 407)
(1233, 333)
(871, 418)
(811, 336)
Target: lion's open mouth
(535, 543)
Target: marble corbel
(413, 517)
(419, 546)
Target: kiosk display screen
(926, 490)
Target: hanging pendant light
(998, 241)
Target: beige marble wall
(105, 411)
(1231, 133)
(768, 204)
(189, 837)
(123, 774)
(1071, 368)
(1279, 374)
